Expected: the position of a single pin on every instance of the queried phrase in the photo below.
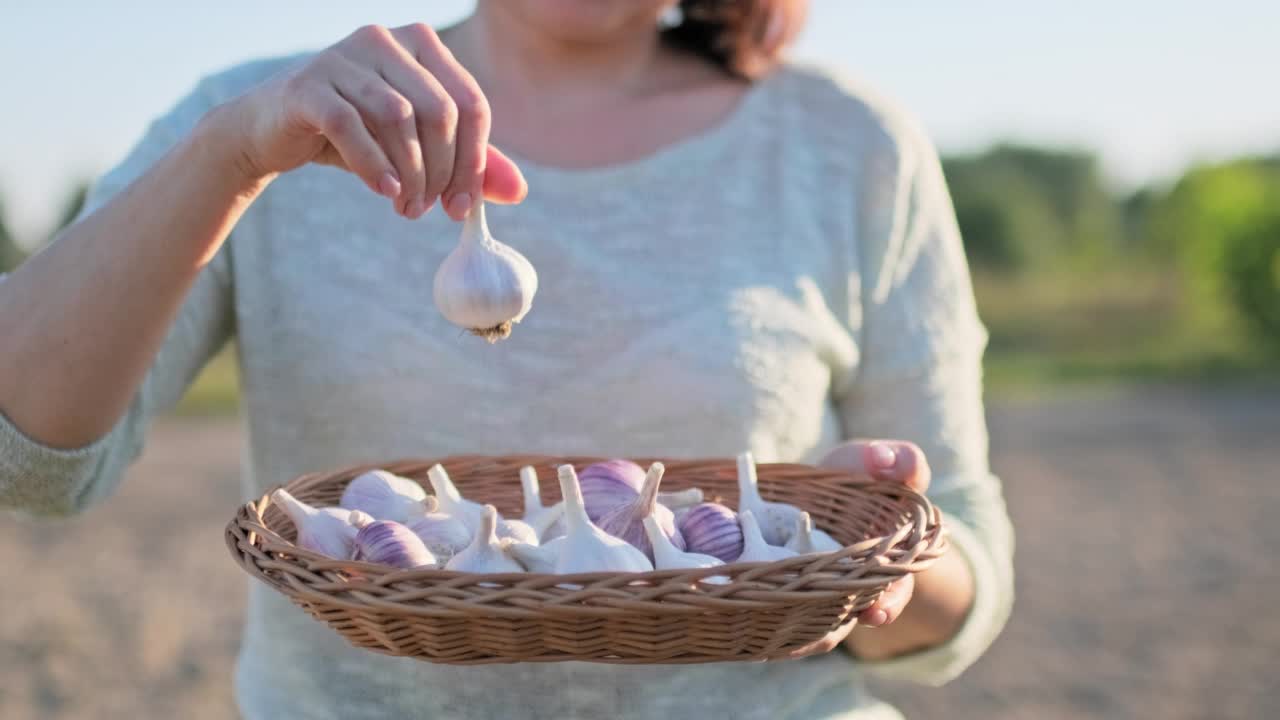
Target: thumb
(503, 181)
(893, 460)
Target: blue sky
(1150, 85)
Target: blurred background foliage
(1076, 280)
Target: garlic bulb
(806, 540)
(451, 501)
(485, 554)
(483, 285)
(387, 542)
(517, 530)
(669, 557)
(385, 496)
(711, 529)
(327, 531)
(606, 485)
(680, 499)
(538, 558)
(443, 535)
(777, 520)
(586, 547)
(754, 547)
(626, 521)
(544, 520)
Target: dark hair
(745, 37)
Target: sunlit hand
(888, 461)
(392, 106)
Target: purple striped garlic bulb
(712, 529)
(626, 521)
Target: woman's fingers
(328, 113)
(503, 181)
(890, 604)
(471, 138)
(894, 460)
(391, 117)
(397, 109)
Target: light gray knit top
(784, 281)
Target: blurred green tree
(1019, 206)
(1219, 221)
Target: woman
(733, 254)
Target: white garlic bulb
(485, 554)
(806, 540)
(544, 520)
(451, 501)
(517, 530)
(327, 531)
(587, 548)
(777, 520)
(678, 500)
(754, 547)
(385, 496)
(538, 558)
(483, 285)
(669, 557)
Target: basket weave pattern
(665, 616)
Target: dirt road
(1147, 572)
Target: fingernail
(389, 185)
(878, 618)
(882, 456)
(416, 208)
(460, 205)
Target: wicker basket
(765, 610)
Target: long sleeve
(920, 379)
(42, 480)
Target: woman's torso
(694, 303)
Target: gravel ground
(1145, 559)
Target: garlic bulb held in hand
(485, 554)
(806, 540)
(711, 529)
(777, 520)
(327, 531)
(483, 285)
(538, 558)
(754, 547)
(586, 547)
(626, 521)
(669, 557)
(544, 520)
(385, 496)
(387, 542)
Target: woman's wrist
(941, 603)
(219, 147)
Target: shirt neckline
(680, 152)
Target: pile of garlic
(613, 519)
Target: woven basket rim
(253, 511)
(899, 532)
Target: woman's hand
(393, 107)
(889, 461)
